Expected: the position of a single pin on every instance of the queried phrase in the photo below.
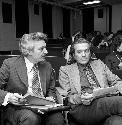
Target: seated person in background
(61, 36)
(19, 77)
(86, 82)
(114, 59)
(97, 38)
(106, 41)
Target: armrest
(61, 95)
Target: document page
(104, 91)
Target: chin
(42, 60)
(83, 62)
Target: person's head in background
(33, 46)
(98, 33)
(119, 32)
(90, 36)
(117, 43)
(81, 51)
(111, 35)
(77, 35)
(106, 34)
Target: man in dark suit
(17, 76)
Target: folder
(30, 99)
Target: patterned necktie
(35, 82)
(91, 78)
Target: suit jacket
(113, 61)
(13, 77)
(69, 77)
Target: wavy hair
(27, 41)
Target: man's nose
(83, 53)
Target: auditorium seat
(101, 54)
(56, 63)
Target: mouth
(43, 56)
(84, 59)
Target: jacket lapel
(96, 68)
(42, 74)
(22, 70)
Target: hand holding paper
(97, 93)
(104, 91)
(14, 98)
(87, 98)
(50, 98)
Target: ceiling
(78, 4)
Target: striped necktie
(36, 89)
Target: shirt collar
(29, 65)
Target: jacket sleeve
(108, 62)
(113, 79)
(64, 80)
(51, 88)
(4, 76)
(112, 62)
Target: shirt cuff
(6, 99)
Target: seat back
(56, 63)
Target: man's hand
(75, 99)
(87, 98)
(50, 98)
(14, 98)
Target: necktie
(91, 78)
(35, 82)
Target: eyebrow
(83, 50)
